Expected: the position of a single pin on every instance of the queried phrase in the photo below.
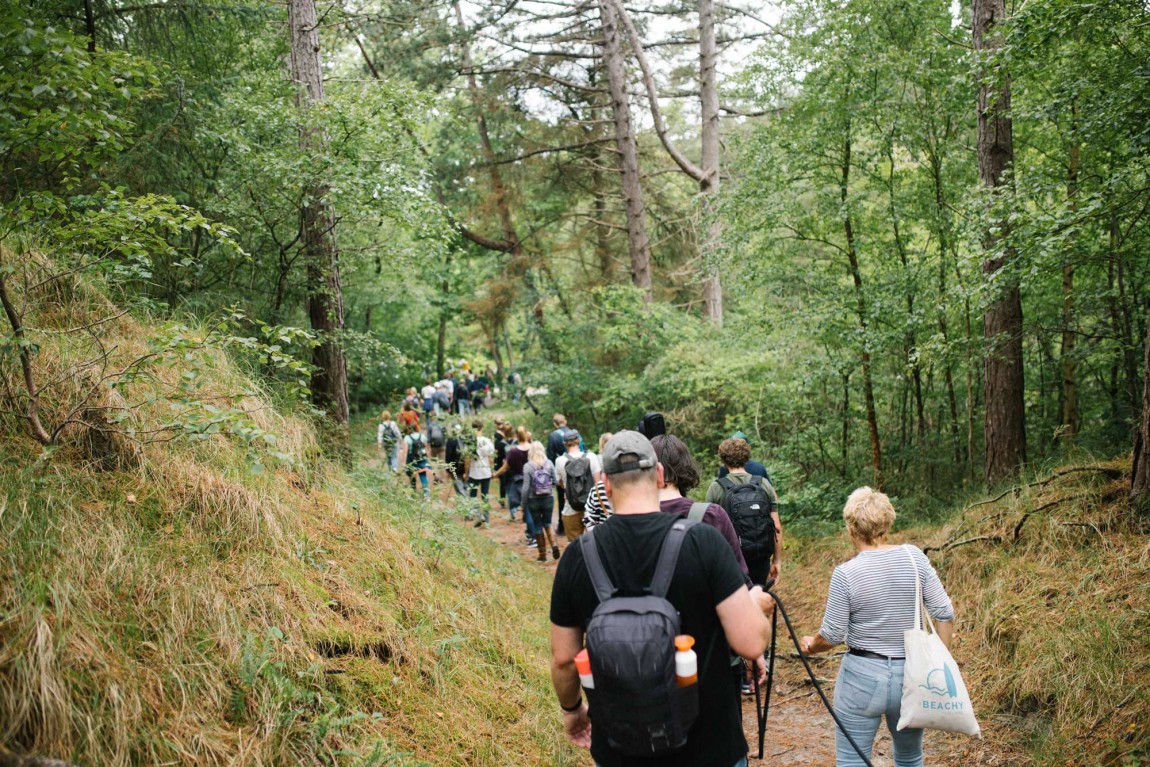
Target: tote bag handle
(920, 607)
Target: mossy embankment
(1051, 583)
(183, 609)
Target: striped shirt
(871, 599)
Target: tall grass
(188, 611)
(1052, 628)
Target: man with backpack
(631, 586)
(415, 458)
(436, 438)
(753, 507)
(556, 445)
(577, 471)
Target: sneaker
(746, 687)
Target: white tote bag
(933, 693)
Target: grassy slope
(1053, 629)
(187, 611)
(190, 612)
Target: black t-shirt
(705, 575)
(500, 451)
(461, 392)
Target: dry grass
(186, 611)
(1052, 624)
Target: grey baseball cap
(628, 451)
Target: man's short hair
(734, 453)
(679, 468)
(558, 419)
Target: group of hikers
(653, 582)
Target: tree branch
(32, 414)
(692, 170)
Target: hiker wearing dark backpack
(577, 471)
(616, 588)
(538, 482)
(436, 437)
(387, 437)
(415, 458)
(556, 446)
(751, 502)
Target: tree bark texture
(711, 158)
(1005, 419)
(637, 239)
(1140, 474)
(864, 323)
(1070, 415)
(317, 225)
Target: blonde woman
(870, 604)
(539, 483)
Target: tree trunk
(1140, 474)
(943, 232)
(711, 159)
(498, 188)
(864, 323)
(317, 224)
(637, 239)
(1005, 421)
(1070, 415)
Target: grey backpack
(631, 644)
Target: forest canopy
(894, 242)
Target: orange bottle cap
(683, 642)
(583, 662)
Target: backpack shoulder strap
(755, 480)
(665, 568)
(698, 511)
(726, 482)
(604, 589)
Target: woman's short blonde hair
(385, 415)
(537, 454)
(869, 515)
(603, 440)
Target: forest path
(800, 732)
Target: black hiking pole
(762, 707)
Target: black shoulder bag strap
(604, 589)
(665, 568)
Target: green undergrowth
(1051, 586)
(191, 611)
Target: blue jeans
(868, 689)
(540, 508)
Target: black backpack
(749, 506)
(418, 450)
(631, 645)
(435, 435)
(579, 482)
